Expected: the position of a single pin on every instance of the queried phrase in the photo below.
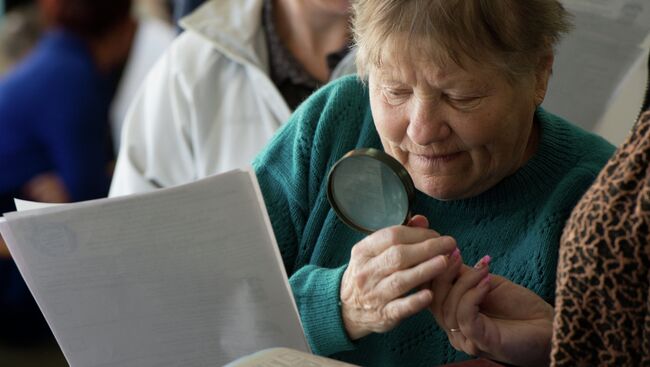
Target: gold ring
(454, 330)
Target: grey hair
(509, 35)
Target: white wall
(625, 104)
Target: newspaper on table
(189, 275)
(285, 357)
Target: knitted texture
(518, 222)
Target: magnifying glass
(370, 190)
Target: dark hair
(91, 18)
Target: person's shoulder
(52, 70)
(335, 117)
(29, 80)
(220, 36)
(591, 150)
(349, 84)
(198, 63)
(343, 93)
(335, 104)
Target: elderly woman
(451, 89)
(601, 309)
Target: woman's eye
(464, 103)
(396, 96)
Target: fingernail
(455, 255)
(485, 260)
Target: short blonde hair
(510, 35)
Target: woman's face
(457, 131)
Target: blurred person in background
(55, 141)
(226, 85)
(154, 33)
(23, 26)
(20, 29)
(159, 9)
(183, 8)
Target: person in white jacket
(226, 85)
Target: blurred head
(87, 18)
(19, 31)
(341, 7)
(454, 84)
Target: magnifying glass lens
(367, 193)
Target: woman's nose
(427, 124)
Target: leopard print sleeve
(602, 300)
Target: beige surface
(625, 105)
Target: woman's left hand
(490, 316)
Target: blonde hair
(510, 35)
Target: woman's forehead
(414, 71)
(401, 56)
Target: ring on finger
(454, 330)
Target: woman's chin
(440, 191)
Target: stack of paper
(186, 276)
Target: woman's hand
(46, 188)
(489, 316)
(4, 251)
(383, 268)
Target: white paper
(22, 205)
(285, 357)
(187, 276)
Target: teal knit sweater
(518, 222)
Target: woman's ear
(543, 75)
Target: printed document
(184, 276)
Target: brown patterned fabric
(602, 297)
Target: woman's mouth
(435, 158)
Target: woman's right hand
(4, 251)
(491, 317)
(383, 268)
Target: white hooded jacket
(208, 105)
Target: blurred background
(600, 80)
(29, 40)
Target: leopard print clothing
(602, 305)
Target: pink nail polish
(485, 260)
(455, 255)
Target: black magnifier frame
(395, 167)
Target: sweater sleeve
(290, 170)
